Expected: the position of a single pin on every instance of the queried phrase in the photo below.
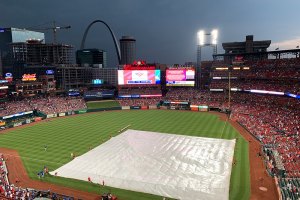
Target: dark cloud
(165, 29)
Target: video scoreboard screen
(180, 77)
(138, 77)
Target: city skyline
(165, 31)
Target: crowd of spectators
(250, 84)
(12, 107)
(262, 73)
(275, 121)
(47, 105)
(51, 105)
(196, 96)
(280, 75)
(290, 188)
(9, 191)
(140, 91)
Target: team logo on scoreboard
(139, 74)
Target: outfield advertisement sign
(17, 114)
(139, 95)
(81, 111)
(144, 107)
(125, 107)
(152, 107)
(194, 108)
(37, 119)
(135, 107)
(71, 113)
(51, 115)
(203, 108)
(17, 124)
(62, 114)
(108, 94)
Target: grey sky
(165, 30)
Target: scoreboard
(138, 77)
(180, 77)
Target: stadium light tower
(201, 36)
(201, 42)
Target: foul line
(226, 122)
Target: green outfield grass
(102, 104)
(80, 133)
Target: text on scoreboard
(180, 77)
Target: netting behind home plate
(177, 166)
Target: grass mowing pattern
(102, 104)
(80, 133)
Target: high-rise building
(23, 55)
(128, 50)
(91, 58)
(16, 35)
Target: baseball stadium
(221, 129)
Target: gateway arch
(112, 35)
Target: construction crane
(54, 29)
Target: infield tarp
(176, 166)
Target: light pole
(201, 37)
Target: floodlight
(201, 37)
(214, 35)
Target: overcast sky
(165, 30)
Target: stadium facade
(249, 46)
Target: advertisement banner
(107, 94)
(203, 108)
(152, 107)
(37, 119)
(135, 107)
(17, 124)
(51, 115)
(172, 107)
(18, 114)
(82, 111)
(144, 107)
(62, 114)
(125, 107)
(2, 123)
(29, 77)
(194, 108)
(28, 121)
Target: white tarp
(176, 166)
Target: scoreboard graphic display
(136, 77)
(180, 77)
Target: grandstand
(261, 95)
